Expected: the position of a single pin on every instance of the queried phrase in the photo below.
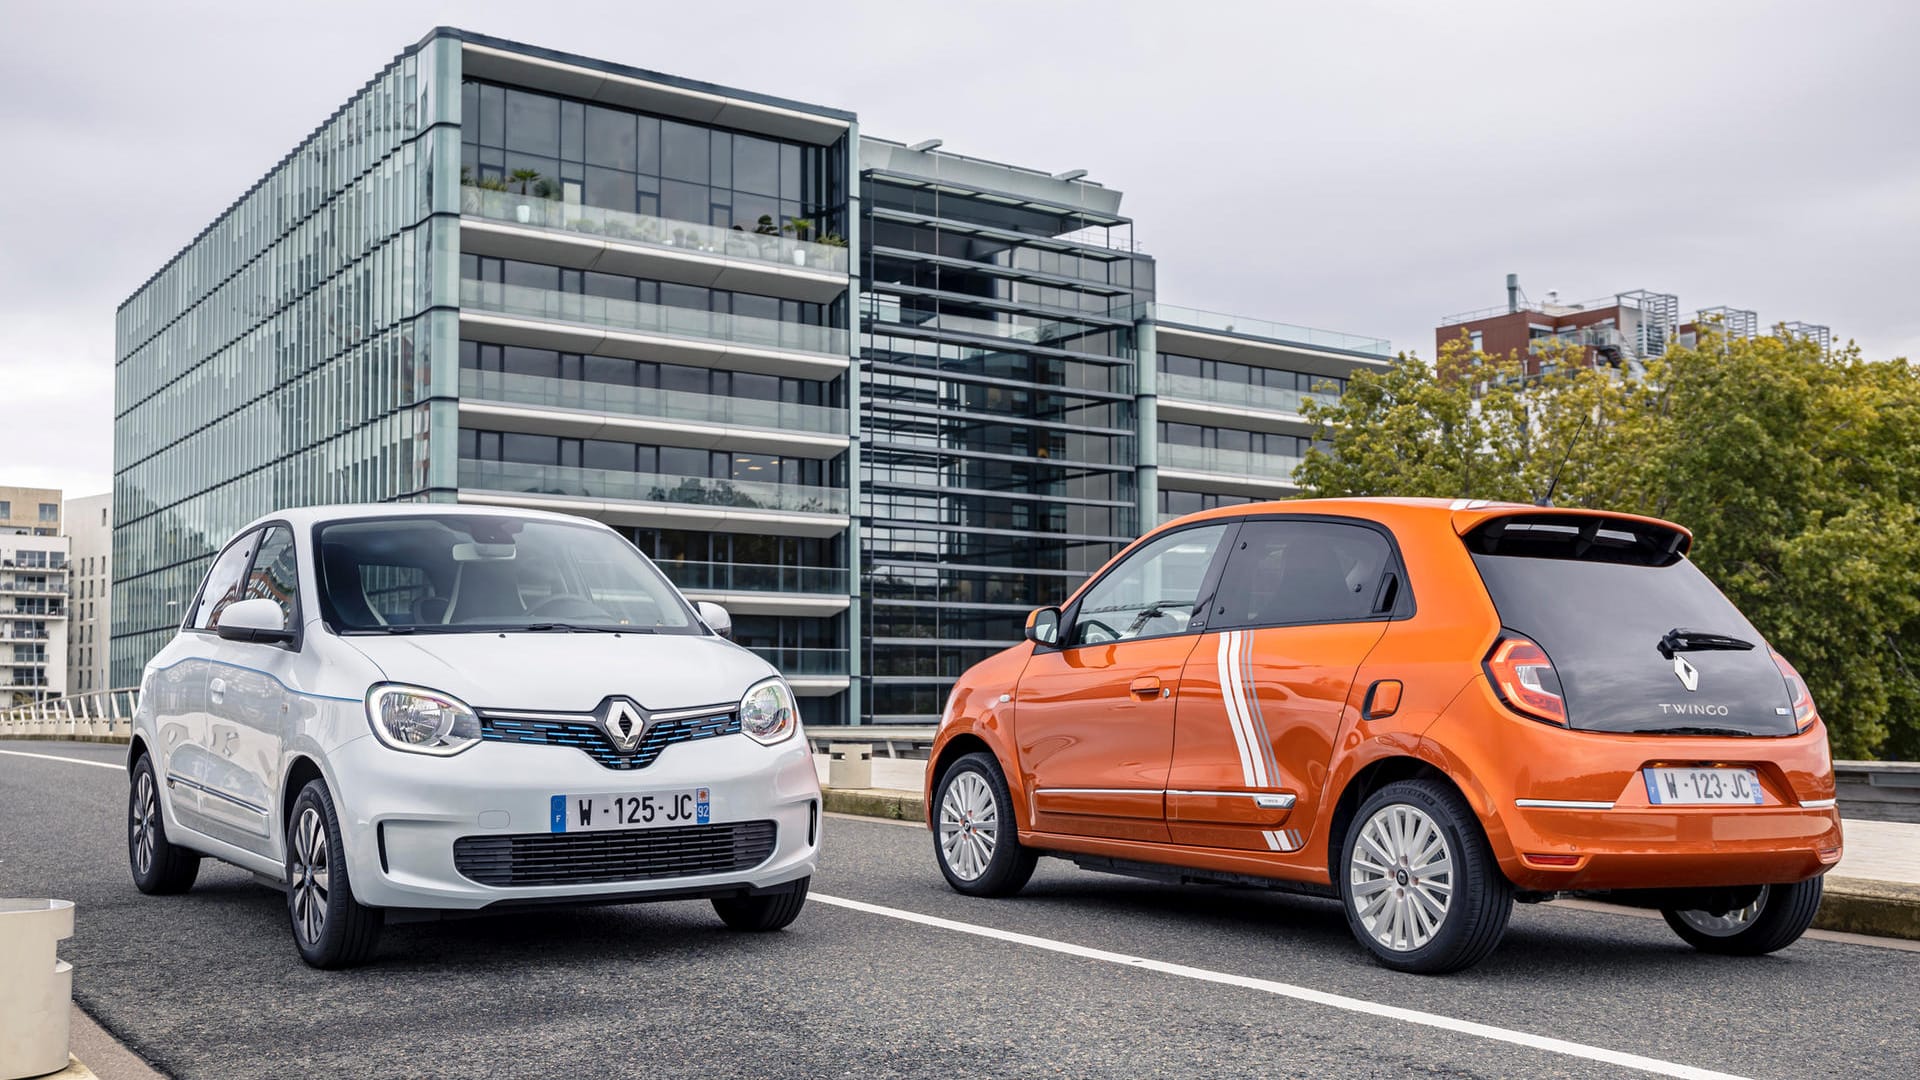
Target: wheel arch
(1371, 778)
(955, 748)
(301, 771)
(136, 749)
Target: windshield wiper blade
(1680, 639)
(381, 630)
(1691, 730)
(570, 628)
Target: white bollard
(849, 765)
(37, 990)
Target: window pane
(1152, 593)
(683, 152)
(1291, 572)
(756, 165)
(609, 188)
(224, 582)
(611, 139)
(274, 575)
(682, 201)
(529, 449)
(533, 123)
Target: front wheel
(330, 928)
(975, 837)
(1421, 888)
(763, 912)
(159, 867)
(1774, 919)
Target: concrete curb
(1879, 908)
(875, 802)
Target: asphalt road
(1235, 983)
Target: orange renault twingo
(1426, 709)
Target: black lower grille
(588, 737)
(628, 855)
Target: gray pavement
(208, 984)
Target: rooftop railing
(629, 315)
(651, 402)
(1290, 333)
(770, 248)
(567, 480)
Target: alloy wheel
(1401, 879)
(969, 825)
(142, 815)
(310, 877)
(1730, 923)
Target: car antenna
(1553, 483)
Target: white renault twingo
(399, 710)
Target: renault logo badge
(1689, 676)
(624, 724)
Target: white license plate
(654, 810)
(1698, 787)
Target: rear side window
(1291, 572)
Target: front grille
(629, 855)
(587, 736)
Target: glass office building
(878, 401)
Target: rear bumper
(1567, 810)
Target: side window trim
(193, 607)
(1202, 601)
(1394, 568)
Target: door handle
(1146, 686)
(216, 687)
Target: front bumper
(401, 813)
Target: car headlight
(421, 721)
(767, 712)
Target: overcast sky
(1367, 167)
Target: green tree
(1797, 472)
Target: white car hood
(568, 672)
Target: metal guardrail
(100, 714)
(1879, 790)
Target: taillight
(1525, 680)
(1797, 690)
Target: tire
(976, 839)
(763, 912)
(159, 868)
(1775, 920)
(1400, 830)
(330, 928)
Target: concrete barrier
(36, 993)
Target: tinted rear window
(1601, 623)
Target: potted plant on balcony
(800, 228)
(523, 177)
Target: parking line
(71, 760)
(1298, 993)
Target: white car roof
(301, 517)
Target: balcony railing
(629, 315)
(577, 482)
(1262, 328)
(772, 249)
(883, 309)
(1229, 462)
(1239, 395)
(36, 587)
(753, 577)
(798, 661)
(648, 401)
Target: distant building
(89, 524)
(33, 596)
(1623, 330)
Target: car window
(224, 582)
(274, 575)
(1289, 572)
(1151, 593)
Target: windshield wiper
(1680, 639)
(381, 630)
(570, 628)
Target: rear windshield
(1603, 624)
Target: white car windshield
(468, 573)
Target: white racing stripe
(1297, 993)
(1233, 716)
(115, 766)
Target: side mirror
(258, 620)
(1043, 626)
(715, 617)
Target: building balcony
(569, 322)
(658, 499)
(1191, 399)
(536, 229)
(754, 589)
(504, 401)
(811, 672)
(1179, 318)
(1226, 472)
(32, 588)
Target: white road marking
(115, 766)
(1298, 993)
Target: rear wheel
(1774, 919)
(975, 837)
(158, 867)
(330, 928)
(763, 912)
(1420, 885)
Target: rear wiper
(1694, 730)
(1679, 640)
